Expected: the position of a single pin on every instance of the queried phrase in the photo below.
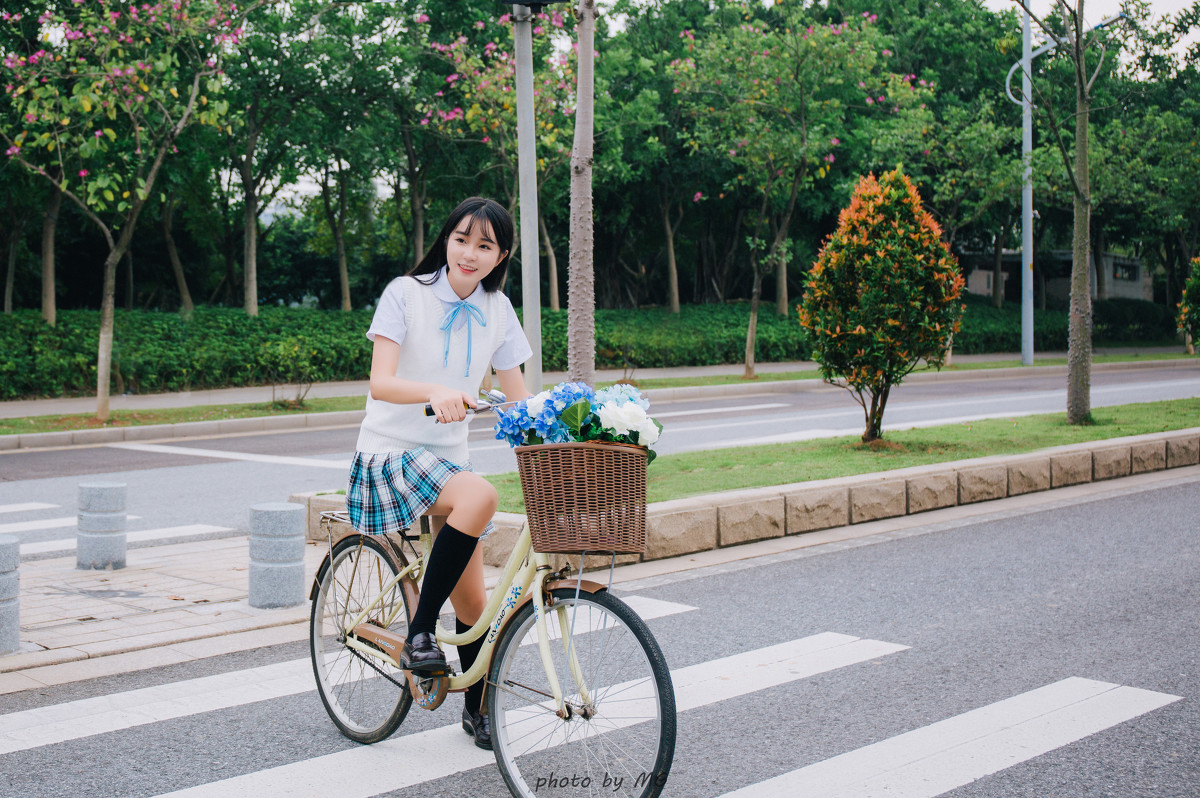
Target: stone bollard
(10, 611)
(100, 539)
(277, 554)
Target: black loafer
(422, 653)
(479, 726)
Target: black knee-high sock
(451, 552)
(466, 657)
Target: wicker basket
(584, 496)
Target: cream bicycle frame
(523, 568)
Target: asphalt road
(1042, 647)
(213, 481)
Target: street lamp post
(1026, 103)
(531, 285)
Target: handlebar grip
(429, 408)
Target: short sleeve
(514, 350)
(389, 314)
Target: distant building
(1127, 277)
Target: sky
(1094, 11)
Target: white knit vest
(392, 427)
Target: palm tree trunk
(752, 327)
(249, 242)
(581, 290)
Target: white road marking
(717, 410)
(19, 508)
(310, 462)
(426, 755)
(946, 755)
(46, 523)
(164, 533)
(90, 716)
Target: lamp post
(531, 285)
(1026, 103)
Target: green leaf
(575, 415)
(108, 195)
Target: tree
(882, 295)
(1189, 307)
(1075, 40)
(103, 108)
(777, 100)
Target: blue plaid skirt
(388, 492)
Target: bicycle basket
(584, 496)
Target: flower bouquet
(582, 457)
(573, 412)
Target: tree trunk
(1097, 248)
(185, 296)
(249, 241)
(998, 270)
(781, 287)
(11, 272)
(1079, 333)
(49, 224)
(672, 269)
(752, 327)
(129, 279)
(551, 262)
(581, 288)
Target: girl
(435, 332)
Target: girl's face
(471, 256)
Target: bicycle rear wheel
(361, 701)
(620, 740)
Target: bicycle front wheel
(355, 687)
(619, 736)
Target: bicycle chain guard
(428, 691)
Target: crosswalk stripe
(222, 454)
(164, 533)
(415, 758)
(24, 507)
(90, 716)
(951, 753)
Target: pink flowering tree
(101, 105)
(478, 103)
(775, 102)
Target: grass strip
(677, 476)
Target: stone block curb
(718, 520)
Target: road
(1041, 646)
(195, 488)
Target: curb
(151, 432)
(719, 520)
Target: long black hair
(478, 209)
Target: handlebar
(480, 407)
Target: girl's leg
(468, 501)
(469, 599)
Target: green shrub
(1130, 320)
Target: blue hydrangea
(566, 394)
(621, 393)
(512, 425)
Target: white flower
(647, 433)
(535, 404)
(622, 418)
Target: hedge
(222, 347)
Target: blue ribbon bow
(448, 325)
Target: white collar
(445, 292)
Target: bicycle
(580, 697)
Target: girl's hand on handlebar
(450, 405)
